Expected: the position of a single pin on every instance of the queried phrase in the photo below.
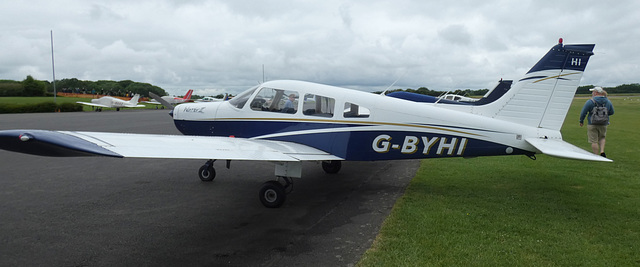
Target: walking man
(598, 108)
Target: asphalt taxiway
(100, 211)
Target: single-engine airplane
(459, 98)
(288, 122)
(112, 102)
(212, 99)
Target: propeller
(161, 101)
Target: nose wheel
(207, 173)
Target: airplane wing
(73, 144)
(135, 106)
(562, 149)
(92, 104)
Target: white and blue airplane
(289, 122)
(112, 102)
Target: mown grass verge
(47, 104)
(506, 211)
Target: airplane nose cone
(171, 113)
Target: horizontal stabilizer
(562, 149)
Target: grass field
(506, 211)
(35, 100)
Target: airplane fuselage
(110, 101)
(386, 128)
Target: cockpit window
(276, 100)
(242, 98)
(315, 105)
(352, 110)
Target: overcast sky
(221, 46)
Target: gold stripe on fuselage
(349, 122)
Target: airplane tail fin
(188, 95)
(134, 99)
(543, 96)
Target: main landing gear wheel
(272, 194)
(331, 166)
(207, 173)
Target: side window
(315, 105)
(275, 100)
(352, 110)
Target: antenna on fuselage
(385, 90)
(441, 96)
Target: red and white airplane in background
(112, 102)
(288, 122)
(173, 100)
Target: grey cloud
(214, 45)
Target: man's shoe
(603, 154)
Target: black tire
(272, 194)
(207, 173)
(331, 166)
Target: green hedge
(11, 88)
(40, 107)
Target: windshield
(242, 98)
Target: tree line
(633, 88)
(32, 87)
(427, 91)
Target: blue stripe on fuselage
(360, 145)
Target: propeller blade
(161, 101)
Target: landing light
(24, 137)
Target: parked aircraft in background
(173, 100)
(494, 94)
(212, 99)
(458, 98)
(288, 122)
(112, 102)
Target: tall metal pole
(53, 67)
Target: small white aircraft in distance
(454, 97)
(288, 122)
(112, 102)
(173, 100)
(212, 99)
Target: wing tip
(51, 144)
